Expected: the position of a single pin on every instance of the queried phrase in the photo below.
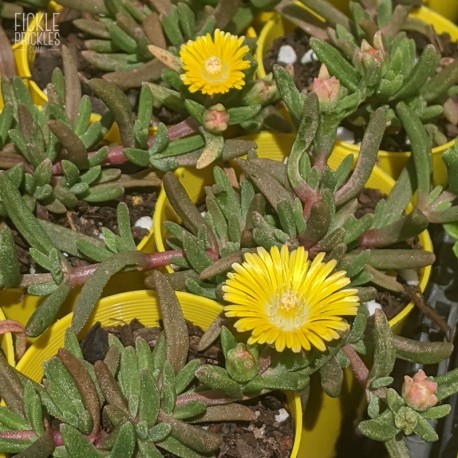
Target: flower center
(287, 311)
(213, 65)
(288, 302)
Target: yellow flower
(287, 301)
(214, 65)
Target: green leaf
(332, 378)
(10, 275)
(74, 440)
(118, 103)
(93, 288)
(44, 315)
(189, 410)
(33, 408)
(381, 428)
(125, 441)
(159, 432)
(425, 430)
(384, 352)
(129, 379)
(217, 378)
(186, 375)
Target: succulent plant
(305, 203)
(377, 64)
(54, 155)
(118, 33)
(151, 398)
(139, 401)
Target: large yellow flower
(287, 301)
(214, 66)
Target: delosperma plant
(118, 33)
(305, 203)
(54, 157)
(58, 155)
(55, 154)
(371, 62)
(139, 401)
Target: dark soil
(299, 41)
(89, 219)
(263, 438)
(395, 140)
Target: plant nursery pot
(390, 162)
(324, 415)
(122, 308)
(277, 147)
(6, 342)
(449, 9)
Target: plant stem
(116, 152)
(359, 369)
(78, 276)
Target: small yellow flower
(287, 301)
(214, 65)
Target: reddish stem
(79, 275)
(116, 152)
(359, 369)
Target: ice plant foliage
(286, 300)
(214, 65)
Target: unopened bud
(241, 364)
(419, 392)
(326, 87)
(369, 61)
(368, 51)
(263, 91)
(216, 119)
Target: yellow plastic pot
(19, 306)
(6, 342)
(446, 8)
(122, 308)
(390, 162)
(277, 147)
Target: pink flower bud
(326, 87)
(216, 119)
(419, 392)
(368, 54)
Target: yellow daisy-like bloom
(287, 301)
(214, 65)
